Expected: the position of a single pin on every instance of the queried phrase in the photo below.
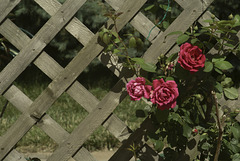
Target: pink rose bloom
(137, 89)
(164, 94)
(191, 57)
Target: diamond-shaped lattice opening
(32, 82)
(7, 52)
(156, 9)
(63, 48)
(8, 115)
(92, 13)
(230, 7)
(101, 139)
(29, 17)
(67, 112)
(132, 113)
(36, 140)
(97, 78)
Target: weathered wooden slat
(51, 68)
(18, 99)
(9, 139)
(54, 90)
(74, 68)
(162, 43)
(6, 7)
(55, 131)
(13, 34)
(15, 156)
(75, 27)
(89, 124)
(39, 41)
(105, 107)
(139, 22)
(47, 124)
(50, 6)
(77, 91)
(81, 33)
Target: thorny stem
(220, 128)
(135, 155)
(125, 47)
(220, 48)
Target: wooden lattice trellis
(64, 79)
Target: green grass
(68, 113)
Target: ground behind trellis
(103, 155)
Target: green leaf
(227, 82)
(109, 47)
(145, 66)
(216, 59)
(149, 7)
(231, 93)
(159, 145)
(219, 95)
(223, 65)
(201, 111)
(187, 130)
(229, 45)
(182, 39)
(206, 146)
(115, 51)
(175, 117)
(204, 136)
(165, 7)
(231, 146)
(162, 115)
(208, 66)
(217, 70)
(236, 157)
(236, 24)
(115, 33)
(117, 40)
(169, 78)
(165, 24)
(225, 22)
(208, 21)
(174, 33)
(236, 132)
(218, 86)
(237, 18)
(193, 41)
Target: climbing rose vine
(183, 89)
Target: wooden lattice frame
(64, 79)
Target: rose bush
(183, 98)
(191, 57)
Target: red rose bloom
(137, 89)
(164, 94)
(191, 57)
